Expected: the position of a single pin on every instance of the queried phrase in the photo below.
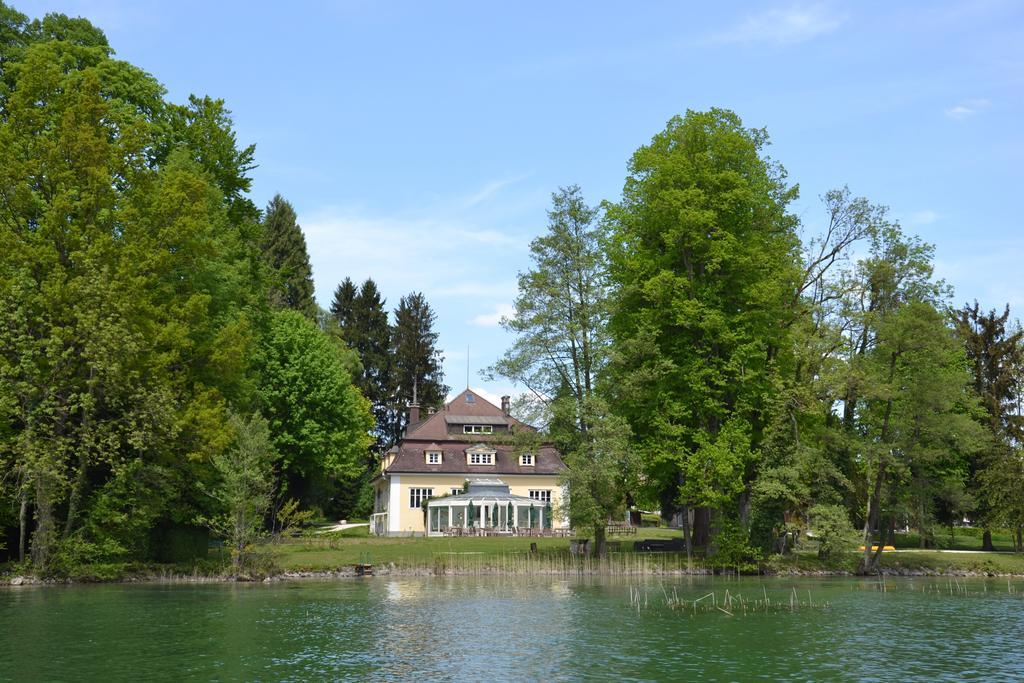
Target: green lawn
(340, 551)
(995, 563)
(961, 539)
(910, 560)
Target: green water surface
(496, 629)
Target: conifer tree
(284, 250)
(368, 332)
(343, 307)
(417, 361)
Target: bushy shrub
(831, 527)
(732, 548)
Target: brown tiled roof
(478, 419)
(432, 435)
(506, 460)
(435, 427)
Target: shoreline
(393, 571)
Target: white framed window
(418, 495)
(456, 491)
(541, 495)
(481, 458)
(434, 457)
(477, 429)
(526, 459)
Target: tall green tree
(801, 466)
(416, 361)
(995, 351)
(343, 307)
(561, 311)
(284, 250)
(364, 325)
(916, 421)
(124, 297)
(602, 470)
(319, 420)
(1000, 487)
(203, 127)
(704, 264)
(561, 348)
(244, 487)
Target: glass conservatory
(487, 508)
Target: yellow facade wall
(410, 520)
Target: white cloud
(493, 319)
(453, 355)
(925, 217)
(491, 189)
(794, 24)
(343, 243)
(462, 259)
(435, 253)
(498, 289)
(967, 109)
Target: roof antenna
(414, 401)
(467, 367)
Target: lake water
(475, 629)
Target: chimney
(506, 405)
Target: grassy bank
(334, 552)
(906, 562)
(963, 538)
(512, 555)
(338, 553)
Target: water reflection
(544, 628)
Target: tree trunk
(745, 507)
(986, 540)
(889, 537)
(22, 526)
(871, 520)
(874, 516)
(76, 493)
(921, 540)
(44, 536)
(687, 536)
(701, 527)
(599, 540)
(1020, 539)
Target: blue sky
(420, 142)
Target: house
(459, 452)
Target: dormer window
(481, 458)
(434, 457)
(477, 429)
(526, 459)
(480, 455)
